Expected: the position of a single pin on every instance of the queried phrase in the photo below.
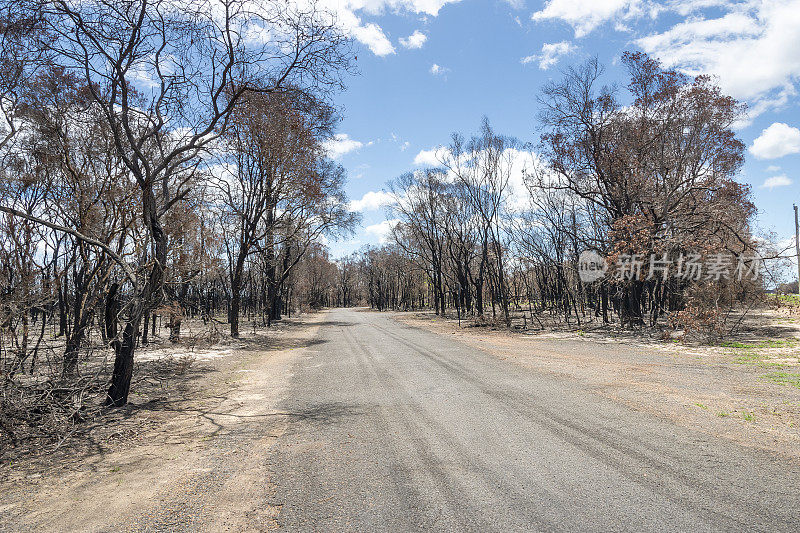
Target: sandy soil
(745, 390)
(190, 463)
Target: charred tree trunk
(236, 290)
(123, 366)
(76, 335)
(175, 319)
(112, 311)
(236, 302)
(142, 301)
(62, 310)
(145, 328)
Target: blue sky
(431, 67)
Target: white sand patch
(178, 352)
(208, 355)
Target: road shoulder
(193, 463)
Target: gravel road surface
(399, 429)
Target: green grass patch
(701, 405)
(772, 343)
(751, 353)
(790, 299)
(750, 417)
(739, 345)
(749, 357)
(783, 378)
(722, 414)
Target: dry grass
(40, 413)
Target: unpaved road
(372, 425)
(408, 430)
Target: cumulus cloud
(776, 141)
(350, 15)
(431, 158)
(551, 53)
(426, 7)
(752, 47)
(585, 16)
(776, 181)
(341, 144)
(382, 230)
(372, 35)
(516, 163)
(522, 163)
(371, 201)
(414, 41)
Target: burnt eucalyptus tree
(68, 144)
(420, 232)
(483, 166)
(278, 192)
(167, 77)
(311, 205)
(657, 169)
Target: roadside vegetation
(645, 176)
(160, 164)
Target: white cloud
(773, 168)
(144, 73)
(372, 35)
(438, 70)
(427, 7)
(382, 230)
(431, 158)
(400, 142)
(551, 52)
(372, 201)
(584, 16)
(752, 47)
(776, 141)
(776, 181)
(349, 16)
(414, 41)
(341, 144)
(687, 7)
(522, 162)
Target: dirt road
(367, 424)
